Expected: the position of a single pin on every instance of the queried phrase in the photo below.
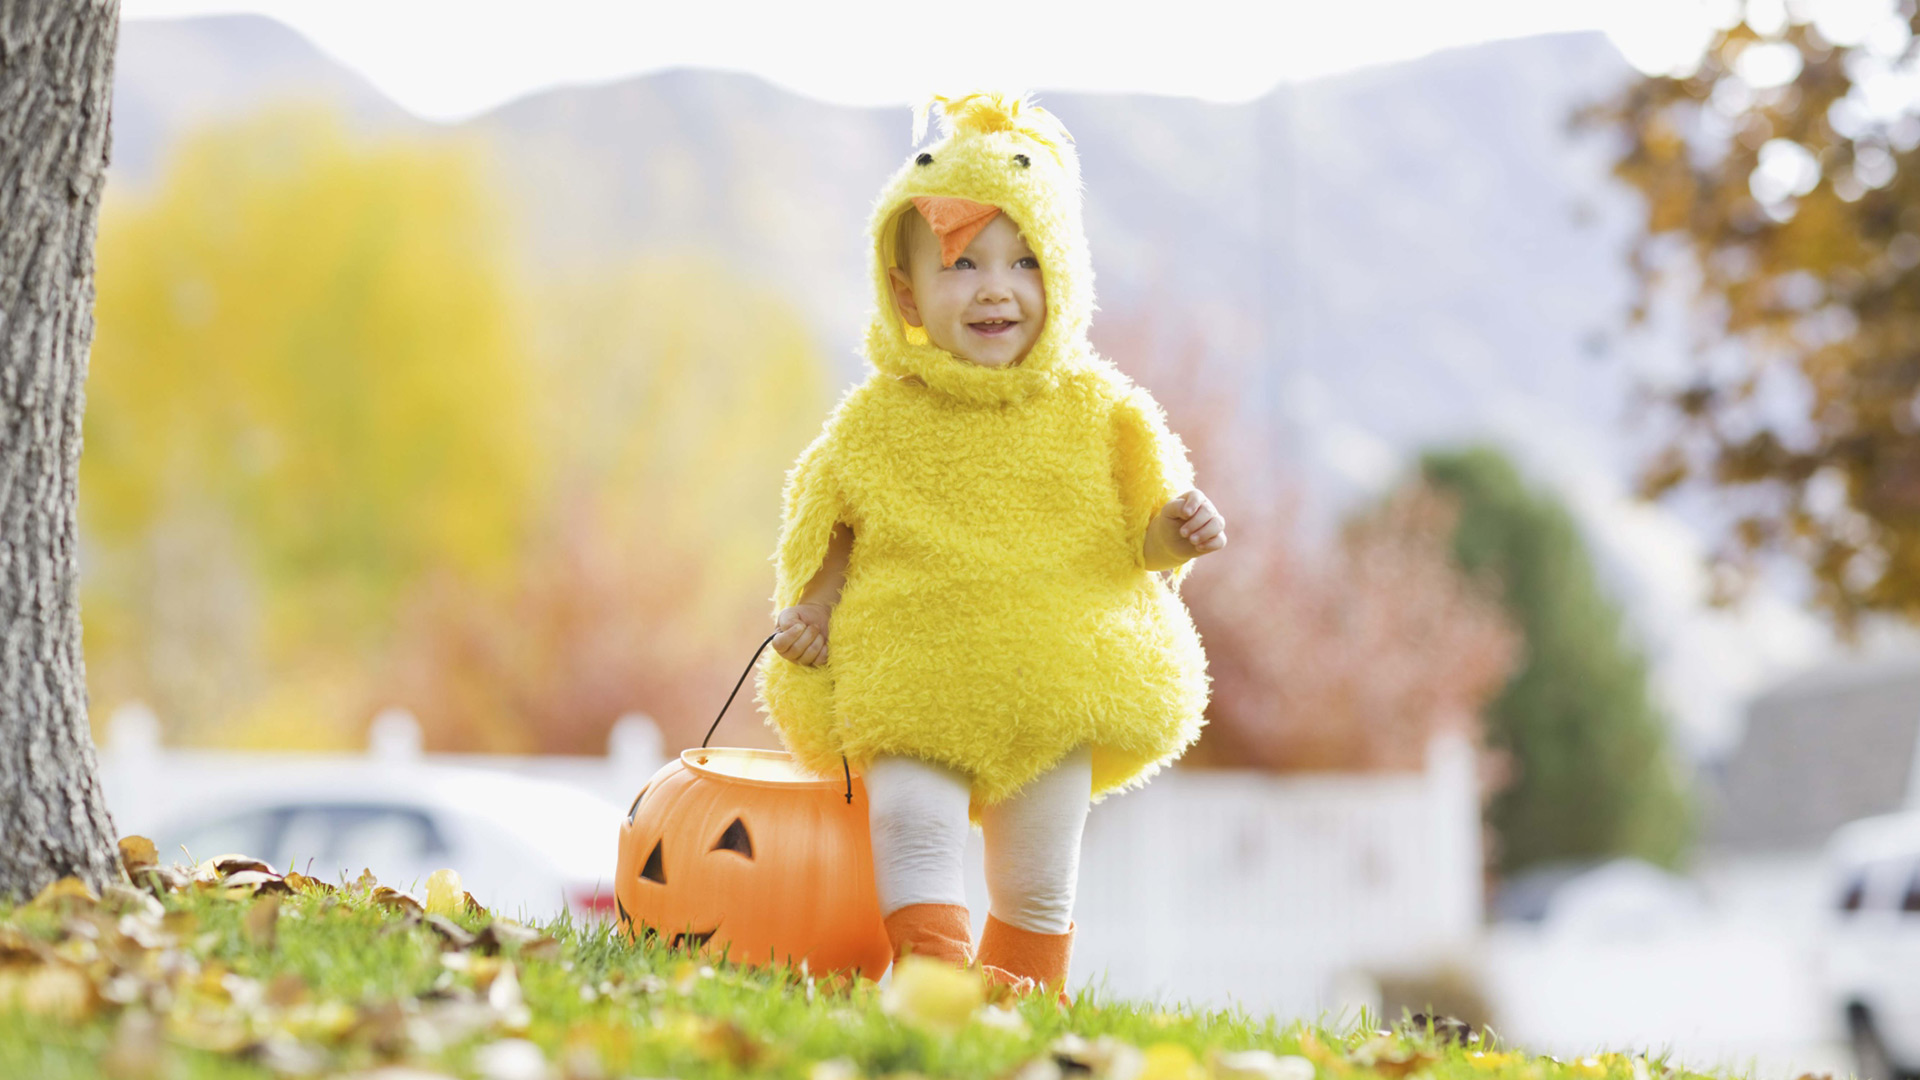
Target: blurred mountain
(1400, 256)
(172, 75)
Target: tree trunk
(56, 86)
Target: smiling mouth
(993, 328)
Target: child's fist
(1200, 525)
(800, 633)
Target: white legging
(918, 814)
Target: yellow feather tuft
(989, 111)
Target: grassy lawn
(232, 972)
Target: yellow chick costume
(997, 611)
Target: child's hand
(1201, 528)
(800, 633)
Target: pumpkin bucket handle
(848, 769)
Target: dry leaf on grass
(261, 924)
(137, 854)
(1105, 1056)
(444, 895)
(452, 934)
(504, 932)
(393, 899)
(1170, 1061)
(68, 893)
(931, 995)
(1259, 1065)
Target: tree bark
(56, 86)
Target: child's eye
(1029, 263)
(963, 263)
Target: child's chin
(993, 362)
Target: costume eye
(923, 159)
(735, 839)
(1021, 160)
(655, 871)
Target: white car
(525, 848)
(1871, 958)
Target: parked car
(1871, 954)
(524, 847)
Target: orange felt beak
(955, 221)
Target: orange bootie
(941, 931)
(1026, 960)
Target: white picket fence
(1208, 886)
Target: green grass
(341, 984)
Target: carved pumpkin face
(737, 849)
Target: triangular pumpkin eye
(654, 870)
(736, 839)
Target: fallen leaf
(286, 990)
(136, 1050)
(834, 1069)
(444, 895)
(510, 1059)
(474, 907)
(257, 881)
(725, 1040)
(166, 879)
(16, 945)
(932, 995)
(1321, 1055)
(57, 992)
(1170, 1061)
(504, 932)
(455, 935)
(1105, 1056)
(261, 924)
(1260, 1065)
(66, 893)
(122, 897)
(484, 970)
(395, 900)
(137, 853)
(285, 1055)
(234, 864)
(1002, 1019)
(299, 882)
(1384, 1055)
(1040, 1068)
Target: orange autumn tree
(1344, 659)
(1779, 198)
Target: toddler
(980, 524)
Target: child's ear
(903, 295)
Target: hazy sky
(447, 60)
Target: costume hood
(1009, 154)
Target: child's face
(988, 307)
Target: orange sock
(1010, 954)
(941, 931)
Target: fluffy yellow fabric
(997, 611)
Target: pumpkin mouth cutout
(699, 940)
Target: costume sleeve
(1151, 467)
(810, 505)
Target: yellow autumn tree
(309, 389)
(677, 394)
